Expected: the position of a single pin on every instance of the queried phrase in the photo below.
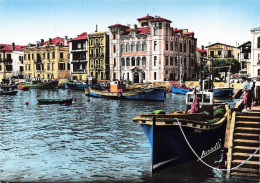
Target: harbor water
(88, 141)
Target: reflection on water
(87, 141)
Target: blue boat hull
(223, 92)
(154, 94)
(79, 86)
(169, 148)
(179, 90)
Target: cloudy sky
(225, 21)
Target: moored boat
(8, 89)
(37, 84)
(22, 87)
(179, 88)
(55, 101)
(78, 86)
(169, 145)
(223, 92)
(118, 91)
(8, 92)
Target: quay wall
(216, 84)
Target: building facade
(244, 58)
(98, 55)
(78, 57)
(222, 51)
(47, 60)
(255, 53)
(152, 52)
(11, 61)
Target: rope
(215, 168)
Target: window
(154, 60)
(123, 61)
(43, 56)
(258, 72)
(114, 48)
(155, 45)
(171, 46)
(160, 25)
(20, 58)
(61, 55)
(219, 52)
(176, 61)
(114, 62)
(127, 47)
(171, 60)
(29, 57)
(0, 67)
(144, 61)
(132, 47)
(166, 45)
(180, 47)
(138, 61)
(258, 57)
(29, 67)
(212, 53)
(133, 61)
(79, 45)
(155, 31)
(154, 75)
(32, 56)
(185, 62)
(184, 47)
(61, 66)
(114, 36)
(128, 76)
(176, 46)
(258, 42)
(48, 55)
(144, 46)
(53, 55)
(48, 66)
(229, 53)
(166, 61)
(25, 57)
(143, 75)
(138, 46)
(127, 61)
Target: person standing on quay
(248, 94)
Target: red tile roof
(9, 47)
(118, 25)
(177, 30)
(159, 19)
(188, 33)
(56, 41)
(143, 30)
(202, 51)
(82, 36)
(145, 18)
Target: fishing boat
(170, 134)
(8, 89)
(118, 91)
(78, 86)
(22, 87)
(38, 84)
(55, 101)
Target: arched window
(144, 61)
(132, 47)
(144, 46)
(127, 47)
(138, 61)
(122, 48)
(133, 61)
(123, 61)
(127, 61)
(97, 52)
(138, 45)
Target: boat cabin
(115, 86)
(205, 99)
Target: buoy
(88, 99)
(26, 103)
(74, 99)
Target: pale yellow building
(98, 55)
(47, 60)
(221, 51)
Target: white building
(255, 53)
(17, 63)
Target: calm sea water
(93, 141)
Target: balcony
(78, 60)
(79, 71)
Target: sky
(224, 21)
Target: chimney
(66, 41)
(202, 47)
(13, 45)
(96, 28)
(135, 26)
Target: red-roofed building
(11, 61)
(152, 52)
(47, 59)
(78, 57)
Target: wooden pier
(241, 141)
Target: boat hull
(75, 86)
(22, 87)
(169, 147)
(223, 92)
(149, 94)
(54, 101)
(47, 85)
(179, 90)
(8, 92)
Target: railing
(79, 71)
(79, 60)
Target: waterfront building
(11, 61)
(98, 55)
(78, 57)
(47, 60)
(255, 53)
(222, 51)
(244, 58)
(152, 52)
